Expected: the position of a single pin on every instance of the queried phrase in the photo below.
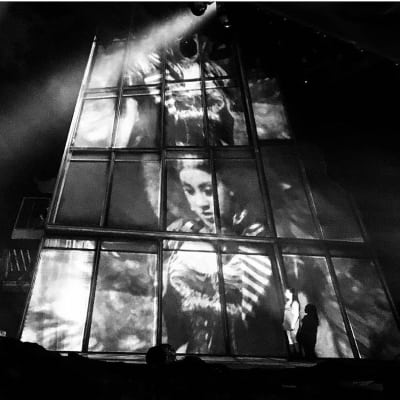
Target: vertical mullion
(104, 213)
(254, 140)
(159, 291)
(260, 170)
(56, 197)
(210, 142)
(343, 311)
(278, 266)
(309, 194)
(162, 201)
(224, 313)
(92, 293)
(209, 147)
(105, 210)
(162, 144)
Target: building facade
(184, 207)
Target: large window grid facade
(293, 236)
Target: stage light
(223, 16)
(198, 8)
(188, 47)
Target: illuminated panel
(253, 312)
(368, 308)
(310, 277)
(269, 113)
(135, 195)
(225, 115)
(107, 65)
(139, 122)
(124, 314)
(191, 303)
(292, 213)
(96, 123)
(184, 116)
(57, 310)
(190, 196)
(143, 64)
(240, 202)
(83, 195)
(333, 207)
(183, 59)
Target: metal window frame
(273, 242)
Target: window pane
(184, 117)
(368, 308)
(107, 65)
(139, 122)
(291, 210)
(240, 202)
(218, 59)
(191, 303)
(57, 309)
(144, 62)
(183, 59)
(124, 313)
(334, 210)
(190, 196)
(269, 113)
(254, 314)
(310, 277)
(135, 195)
(226, 118)
(83, 195)
(70, 243)
(96, 123)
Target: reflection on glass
(96, 123)
(70, 243)
(226, 119)
(269, 113)
(83, 194)
(139, 122)
(333, 207)
(57, 309)
(107, 65)
(240, 202)
(134, 199)
(124, 313)
(367, 306)
(191, 303)
(292, 213)
(183, 59)
(254, 315)
(143, 64)
(310, 277)
(184, 118)
(190, 196)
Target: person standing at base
(307, 334)
(291, 318)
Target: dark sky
(342, 95)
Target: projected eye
(188, 190)
(207, 191)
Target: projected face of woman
(197, 185)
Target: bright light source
(198, 8)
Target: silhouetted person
(161, 355)
(307, 334)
